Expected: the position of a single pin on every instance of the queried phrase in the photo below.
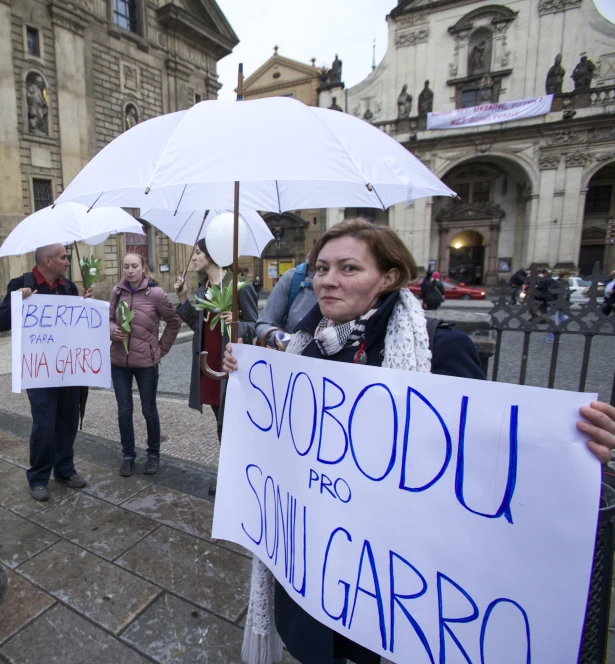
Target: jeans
(147, 382)
(55, 417)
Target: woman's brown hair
(384, 243)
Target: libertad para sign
(504, 111)
(431, 519)
(59, 341)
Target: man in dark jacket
(516, 283)
(55, 410)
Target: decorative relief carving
(130, 78)
(410, 20)
(548, 161)
(554, 6)
(410, 38)
(605, 69)
(601, 134)
(575, 159)
(565, 137)
(603, 156)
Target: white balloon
(219, 238)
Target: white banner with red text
(504, 111)
(59, 341)
(425, 517)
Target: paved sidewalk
(124, 571)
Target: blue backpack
(299, 281)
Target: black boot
(128, 467)
(152, 465)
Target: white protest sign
(428, 518)
(59, 341)
(504, 111)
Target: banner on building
(505, 111)
(426, 517)
(59, 341)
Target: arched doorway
(466, 257)
(598, 222)
(488, 221)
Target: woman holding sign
(366, 315)
(137, 306)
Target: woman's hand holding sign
(599, 425)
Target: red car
(453, 291)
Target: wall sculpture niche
(37, 101)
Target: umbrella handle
(207, 371)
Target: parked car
(577, 286)
(453, 291)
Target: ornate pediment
(496, 16)
(468, 212)
(201, 21)
(276, 71)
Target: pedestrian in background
(516, 283)
(55, 410)
(150, 305)
(205, 390)
(432, 292)
(257, 284)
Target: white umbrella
(286, 155)
(66, 223)
(188, 227)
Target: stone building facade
(534, 191)
(76, 74)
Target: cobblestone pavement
(122, 572)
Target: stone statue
(38, 108)
(404, 103)
(477, 57)
(555, 76)
(583, 74)
(130, 118)
(335, 107)
(425, 100)
(335, 73)
(368, 115)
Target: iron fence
(558, 318)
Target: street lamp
(278, 238)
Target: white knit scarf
(406, 346)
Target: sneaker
(39, 493)
(128, 467)
(74, 482)
(152, 465)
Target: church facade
(534, 191)
(77, 74)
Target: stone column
(443, 250)
(570, 225)
(74, 124)
(491, 255)
(11, 200)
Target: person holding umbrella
(55, 410)
(205, 390)
(137, 354)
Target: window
(42, 193)
(473, 192)
(315, 220)
(598, 199)
(469, 98)
(34, 45)
(197, 98)
(125, 14)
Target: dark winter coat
(248, 313)
(454, 354)
(432, 291)
(150, 304)
(68, 288)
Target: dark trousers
(55, 417)
(147, 382)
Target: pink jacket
(150, 303)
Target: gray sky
(305, 29)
